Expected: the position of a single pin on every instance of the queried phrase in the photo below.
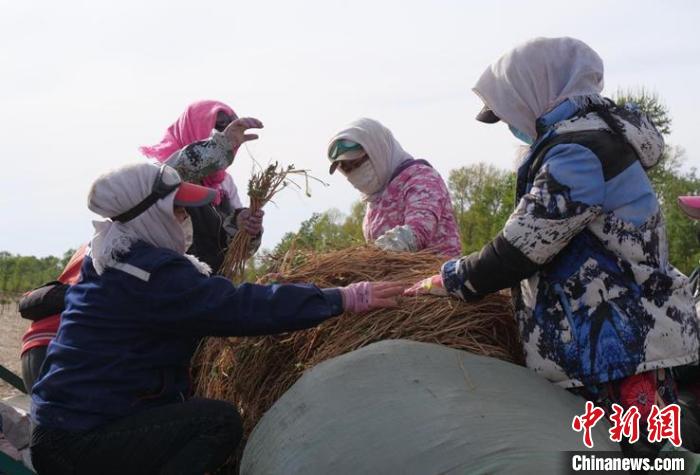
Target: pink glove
(250, 222)
(432, 285)
(363, 296)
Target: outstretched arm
(191, 303)
(200, 159)
(567, 194)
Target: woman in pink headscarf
(195, 146)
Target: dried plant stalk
(262, 186)
(254, 372)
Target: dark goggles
(223, 120)
(167, 181)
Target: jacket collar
(563, 111)
(544, 125)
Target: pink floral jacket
(416, 196)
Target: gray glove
(230, 225)
(400, 238)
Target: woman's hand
(250, 222)
(398, 239)
(236, 131)
(364, 296)
(432, 285)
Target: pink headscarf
(195, 124)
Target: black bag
(43, 301)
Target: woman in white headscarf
(408, 204)
(114, 393)
(600, 309)
(200, 145)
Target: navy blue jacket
(127, 336)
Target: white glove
(432, 285)
(400, 238)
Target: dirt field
(13, 328)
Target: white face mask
(364, 178)
(188, 230)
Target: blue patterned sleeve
(566, 195)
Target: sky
(84, 84)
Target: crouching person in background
(408, 204)
(46, 319)
(114, 394)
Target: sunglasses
(350, 165)
(223, 120)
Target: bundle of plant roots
(262, 187)
(254, 372)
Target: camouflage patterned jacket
(416, 197)
(596, 299)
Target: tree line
(21, 273)
(483, 196)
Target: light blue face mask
(521, 135)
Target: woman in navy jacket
(114, 393)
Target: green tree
(66, 257)
(323, 232)
(352, 225)
(483, 197)
(22, 273)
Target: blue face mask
(521, 135)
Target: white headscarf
(534, 77)
(384, 151)
(118, 191)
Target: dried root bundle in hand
(262, 186)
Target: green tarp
(415, 408)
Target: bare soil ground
(12, 327)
